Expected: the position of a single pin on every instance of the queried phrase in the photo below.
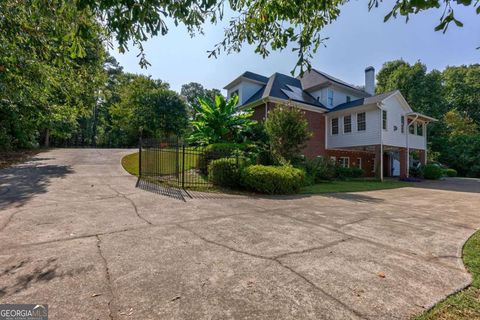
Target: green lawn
(466, 303)
(130, 163)
(353, 186)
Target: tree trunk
(47, 138)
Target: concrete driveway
(75, 233)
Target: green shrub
(273, 180)
(288, 131)
(343, 173)
(216, 151)
(450, 172)
(224, 172)
(319, 169)
(416, 172)
(432, 171)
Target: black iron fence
(174, 163)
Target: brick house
(351, 126)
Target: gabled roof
(364, 101)
(285, 87)
(250, 76)
(314, 79)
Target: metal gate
(172, 162)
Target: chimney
(370, 80)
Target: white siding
(370, 136)
(393, 136)
(246, 90)
(339, 96)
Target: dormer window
(330, 97)
(234, 93)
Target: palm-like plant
(218, 121)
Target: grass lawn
(353, 186)
(466, 303)
(130, 163)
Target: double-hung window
(361, 121)
(402, 124)
(347, 124)
(384, 119)
(335, 126)
(411, 128)
(330, 97)
(344, 162)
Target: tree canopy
(265, 24)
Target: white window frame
(365, 121)
(359, 163)
(331, 126)
(384, 120)
(330, 97)
(344, 125)
(374, 168)
(333, 159)
(342, 163)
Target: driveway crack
(109, 280)
(132, 203)
(277, 260)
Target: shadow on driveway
(20, 183)
(471, 185)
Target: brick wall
(367, 159)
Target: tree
(265, 24)
(218, 121)
(287, 131)
(193, 90)
(462, 89)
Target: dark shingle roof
(255, 76)
(363, 101)
(287, 88)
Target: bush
(416, 172)
(319, 169)
(450, 172)
(432, 171)
(344, 173)
(287, 130)
(224, 172)
(273, 180)
(216, 151)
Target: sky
(357, 39)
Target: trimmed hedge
(224, 172)
(432, 171)
(273, 179)
(216, 151)
(450, 172)
(343, 173)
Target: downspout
(381, 140)
(408, 147)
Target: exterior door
(395, 164)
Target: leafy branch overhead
(266, 24)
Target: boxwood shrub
(216, 151)
(432, 171)
(224, 172)
(273, 179)
(450, 172)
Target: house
(350, 125)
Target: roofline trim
(284, 101)
(242, 77)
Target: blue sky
(357, 39)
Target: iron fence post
(183, 165)
(140, 157)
